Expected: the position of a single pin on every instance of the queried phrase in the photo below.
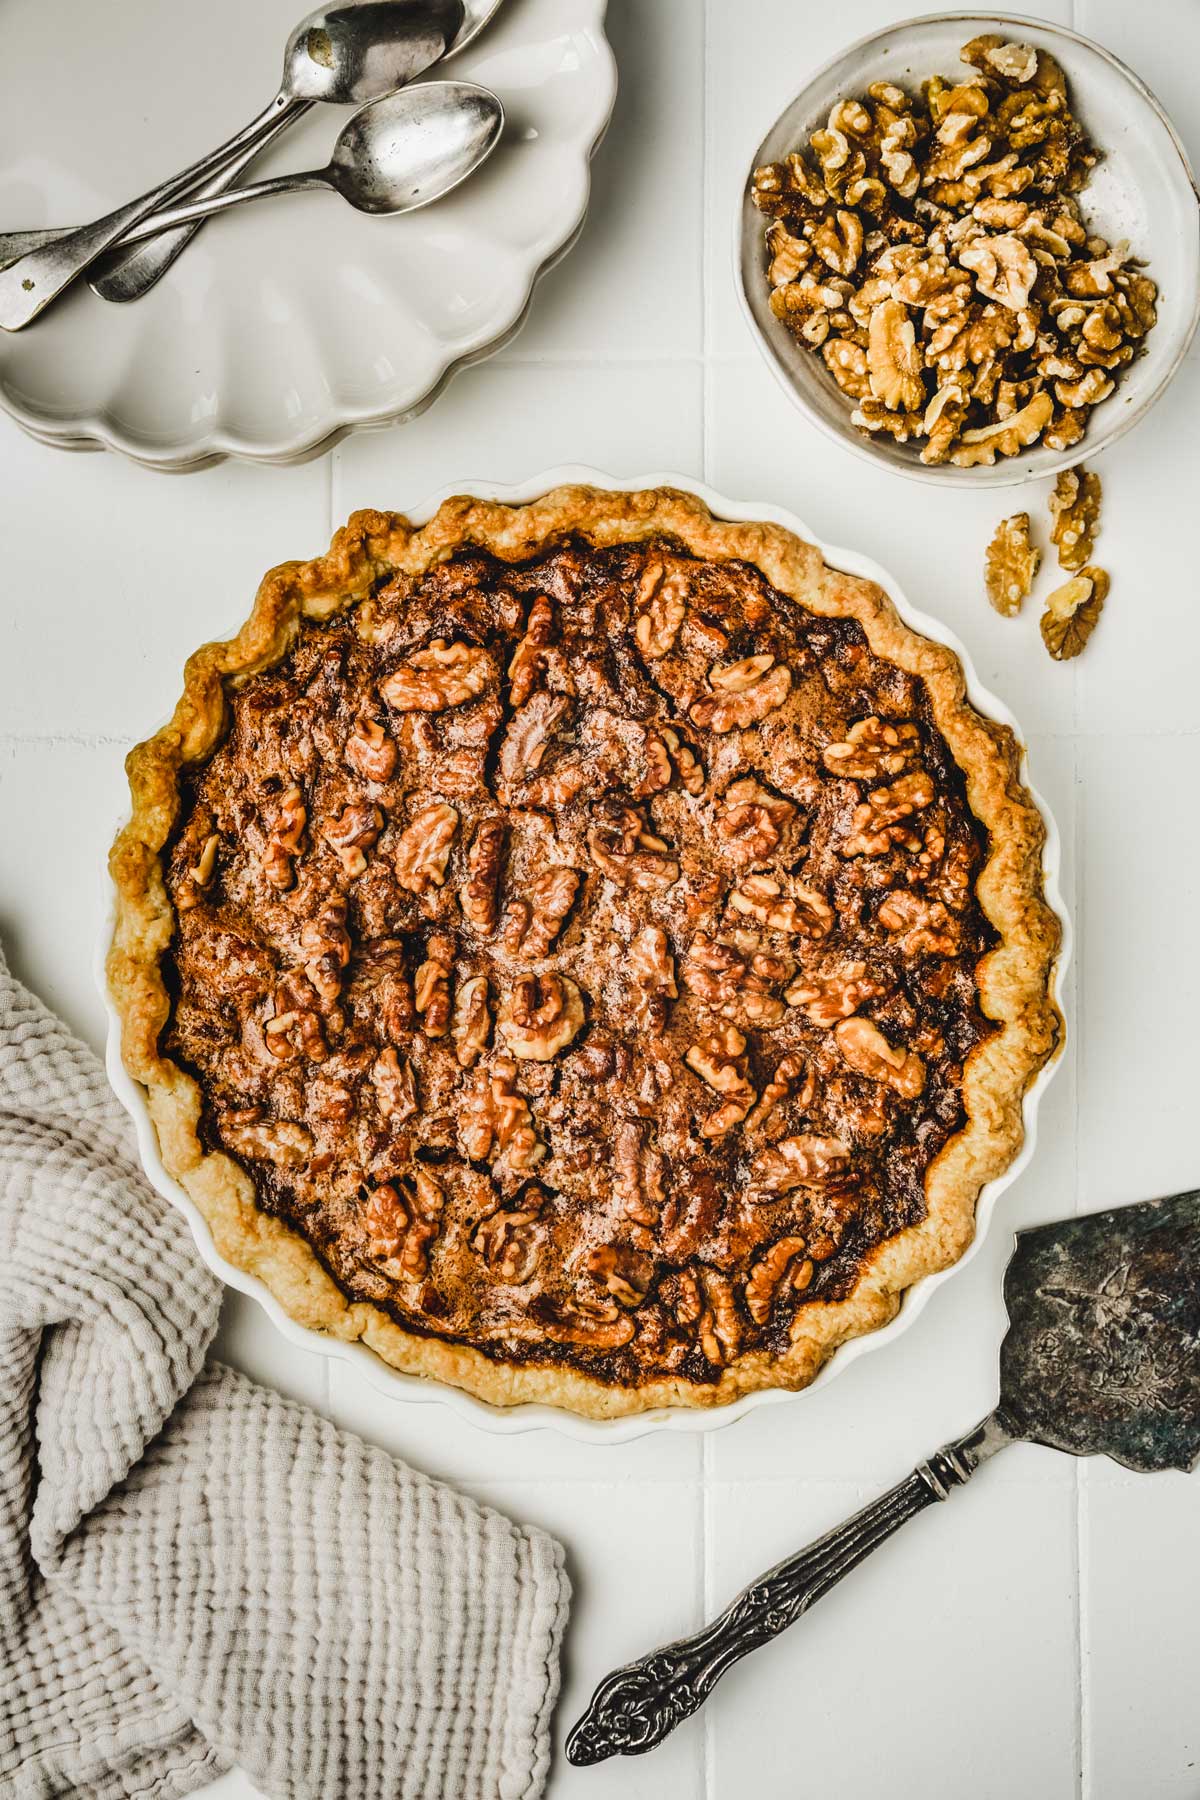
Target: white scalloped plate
(287, 323)
(529, 1417)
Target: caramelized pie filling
(581, 955)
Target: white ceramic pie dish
(528, 1417)
(287, 324)
(1143, 190)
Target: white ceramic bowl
(1143, 190)
(529, 1417)
(290, 322)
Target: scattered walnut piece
(660, 608)
(1010, 564)
(931, 251)
(370, 752)
(531, 924)
(800, 911)
(284, 839)
(431, 985)
(736, 977)
(719, 1060)
(627, 852)
(494, 1120)
(526, 666)
(924, 927)
(621, 1272)
(802, 1161)
(509, 1242)
(638, 1174)
(540, 1016)
(868, 1052)
(402, 1223)
(351, 834)
(395, 1086)
(793, 1079)
(652, 972)
(199, 875)
(600, 1324)
(834, 994)
(745, 692)
(751, 819)
(470, 1022)
(435, 679)
(1072, 612)
(881, 820)
(478, 895)
(1075, 516)
(279, 1141)
(423, 849)
(873, 747)
(767, 1276)
(325, 942)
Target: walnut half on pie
(590, 951)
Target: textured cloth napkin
(194, 1571)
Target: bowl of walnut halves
(970, 248)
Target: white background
(1040, 1634)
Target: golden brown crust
(1016, 979)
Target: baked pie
(591, 952)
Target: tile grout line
(1078, 835)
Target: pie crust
(1020, 1024)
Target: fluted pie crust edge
(1015, 979)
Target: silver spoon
(346, 54)
(394, 156)
(127, 275)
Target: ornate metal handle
(634, 1708)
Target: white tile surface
(1038, 1635)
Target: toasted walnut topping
(525, 668)
(395, 1086)
(509, 1242)
(667, 756)
(431, 985)
(494, 1120)
(284, 838)
(792, 1080)
(540, 1016)
(402, 1224)
(801, 911)
(834, 995)
(600, 1324)
(767, 1276)
(471, 1024)
(200, 875)
(745, 692)
(423, 849)
(621, 1272)
(295, 1032)
(1073, 611)
(719, 1059)
(736, 977)
(1075, 515)
(873, 747)
(351, 834)
(531, 924)
(924, 927)
(868, 1052)
(751, 819)
(893, 359)
(1010, 564)
(325, 942)
(370, 752)
(661, 606)
(687, 764)
(528, 735)
(478, 895)
(435, 679)
(880, 821)
(625, 851)
(801, 1161)
(652, 971)
(941, 239)
(278, 1141)
(638, 1174)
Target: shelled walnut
(932, 251)
(1073, 612)
(1010, 564)
(1075, 517)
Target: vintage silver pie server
(1102, 1355)
(348, 54)
(127, 275)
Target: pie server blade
(1102, 1355)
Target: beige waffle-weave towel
(194, 1571)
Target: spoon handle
(199, 210)
(128, 275)
(38, 277)
(635, 1707)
